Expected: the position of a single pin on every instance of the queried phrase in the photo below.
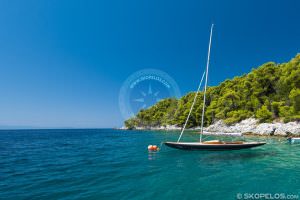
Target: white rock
(265, 129)
(280, 132)
(292, 128)
(218, 126)
(245, 126)
(250, 125)
(173, 127)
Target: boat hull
(212, 147)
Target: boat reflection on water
(294, 140)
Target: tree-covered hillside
(270, 92)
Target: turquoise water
(115, 164)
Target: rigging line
(207, 65)
(187, 119)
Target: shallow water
(115, 164)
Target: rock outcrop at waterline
(251, 126)
(247, 126)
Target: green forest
(270, 92)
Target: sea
(115, 164)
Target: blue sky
(63, 62)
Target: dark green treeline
(269, 92)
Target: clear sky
(62, 63)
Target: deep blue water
(115, 164)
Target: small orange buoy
(153, 148)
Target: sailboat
(214, 145)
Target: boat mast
(205, 86)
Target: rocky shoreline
(245, 127)
(251, 126)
